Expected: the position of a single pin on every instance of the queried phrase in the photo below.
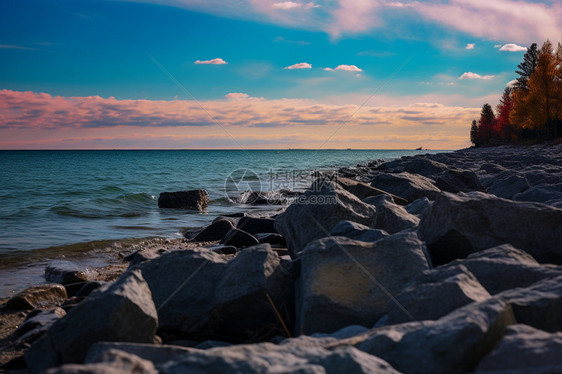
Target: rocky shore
(442, 263)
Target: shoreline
(514, 179)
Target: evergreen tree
(527, 67)
(474, 133)
(486, 124)
(503, 126)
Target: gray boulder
(378, 200)
(415, 165)
(192, 199)
(113, 362)
(504, 267)
(124, 311)
(313, 215)
(458, 225)
(357, 231)
(346, 282)
(37, 297)
(256, 225)
(507, 185)
(364, 191)
(408, 186)
(157, 354)
(418, 207)
(455, 180)
(64, 272)
(393, 218)
(436, 293)
(239, 238)
(524, 350)
(215, 231)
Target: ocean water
(57, 201)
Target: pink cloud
(40, 120)
(513, 48)
(288, 5)
(344, 68)
(469, 46)
(215, 61)
(300, 65)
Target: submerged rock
(193, 199)
(64, 272)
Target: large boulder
(504, 267)
(364, 191)
(453, 344)
(346, 282)
(124, 311)
(37, 297)
(435, 294)
(508, 185)
(454, 180)
(524, 350)
(313, 215)
(406, 185)
(215, 231)
(393, 218)
(416, 165)
(458, 225)
(256, 225)
(113, 362)
(203, 295)
(239, 238)
(192, 199)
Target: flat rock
(406, 185)
(64, 272)
(458, 225)
(37, 297)
(524, 350)
(317, 211)
(192, 199)
(124, 311)
(346, 282)
(393, 218)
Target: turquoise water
(50, 198)
(61, 198)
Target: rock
(458, 225)
(113, 361)
(378, 200)
(436, 293)
(346, 282)
(202, 295)
(270, 358)
(156, 354)
(124, 311)
(64, 272)
(317, 211)
(546, 194)
(524, 350)
(508, 186)
(255, 226)
(452, 180)
(408, 186)
(453, 344)
(271, 238)
(193, 199)
(393, 218)
(40, 319)
(239, 238)
(357, 231)
(89, 287)
(415, 165)
(418, 207)
(143, 255)
(505, 267)
(223, 249)
(363, 190)
(37, 297)
(215, 231)
(538, 305)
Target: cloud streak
(471, 75)
(300, 65)
(214, 61)
(512, 48)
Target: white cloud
(471, 75)
(300, 65)
(215, 61)
(497, 46)
(236, 96)
(348, 68)
(470, 46)
(512, 48)
(511, 83)
(288, 5)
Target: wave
(125, 205)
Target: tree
(486, 124)
(527, 67)
(474, 133)
(503, 128)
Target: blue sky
(404, 53)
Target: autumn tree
(486, 124)
(527, 67)
(474, 133)
(503, 129)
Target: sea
(67, 205)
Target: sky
(258, 74)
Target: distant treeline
(531, 109)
